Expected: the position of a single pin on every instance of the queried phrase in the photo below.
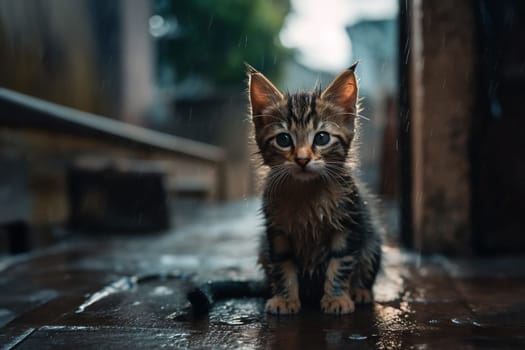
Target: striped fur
(322, 244)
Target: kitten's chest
(310, 253)
(305, 212)
(301, 219)
(309, 217)
(309, 225)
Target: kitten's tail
(202, 298)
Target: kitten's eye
(321, 138)
(283, 140)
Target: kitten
(322, 244)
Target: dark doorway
(498, 142)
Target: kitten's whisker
(282, 179)
(336, 170)
(335, 177)
(256, 153)
(335, 174)
(337, 165)
(278, 183)
(276, 177)
(331, 173)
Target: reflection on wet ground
(129, 292)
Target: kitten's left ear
(262, 95)
(342, 92)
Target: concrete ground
(128, 292)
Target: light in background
(317, 29)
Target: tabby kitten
(322, 244)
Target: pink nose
(302, 161)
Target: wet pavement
(128, 292)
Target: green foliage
(218, 36)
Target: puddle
(67, 328)
(161, 291)
(467, 321)
(238, 312)
(357, 337)
(236, 321)
(180, 261)
(393, 319)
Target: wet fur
(322, 243)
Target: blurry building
(115, 60)
(461, 133)
(58, 60)
(93, 55)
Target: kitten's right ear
(262, 94)
(343, 91)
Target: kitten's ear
(262, 94)
(342, 92)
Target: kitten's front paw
(362, 296)
(282, 306)
(337, 305)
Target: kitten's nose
(302, 161)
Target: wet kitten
(322, 244)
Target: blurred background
(126, 116)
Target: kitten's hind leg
(364, 277)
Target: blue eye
(283, 140)
(321, 138)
